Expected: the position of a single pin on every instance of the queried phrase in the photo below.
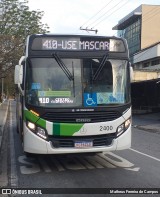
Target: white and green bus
(74, 94)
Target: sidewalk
(148, 122)
(3, 117)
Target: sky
(67, 16)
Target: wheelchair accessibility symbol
(90, 99)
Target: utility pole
(86, 29)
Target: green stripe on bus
(66, 129)
(56, 128)
(41, 123)
(30, 116)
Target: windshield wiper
(63, 67)
(100, 67)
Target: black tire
(28, 155)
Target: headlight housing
(41, 132)
(123, 127)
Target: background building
(141, 29)
(146, 63)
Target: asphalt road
(138, 167)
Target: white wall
(147, 54)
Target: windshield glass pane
(48, 85)
(89, 82)
(110, 85)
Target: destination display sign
(74, 44)
(71, 44)
(64, 43)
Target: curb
(144, 128)
(3, 123)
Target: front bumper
(35, 144)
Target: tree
(16, 22)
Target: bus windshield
(89, 83)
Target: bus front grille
(68, 142)
(81, 117)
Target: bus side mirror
(131, 73)
(18, 74)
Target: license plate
(83, 144)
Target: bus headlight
(31, 126)
(123, 127)
(41, 133)
(127, 123)
(37, 130)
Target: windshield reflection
(92, 84)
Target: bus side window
(22, 85)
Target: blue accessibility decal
(90, 99)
